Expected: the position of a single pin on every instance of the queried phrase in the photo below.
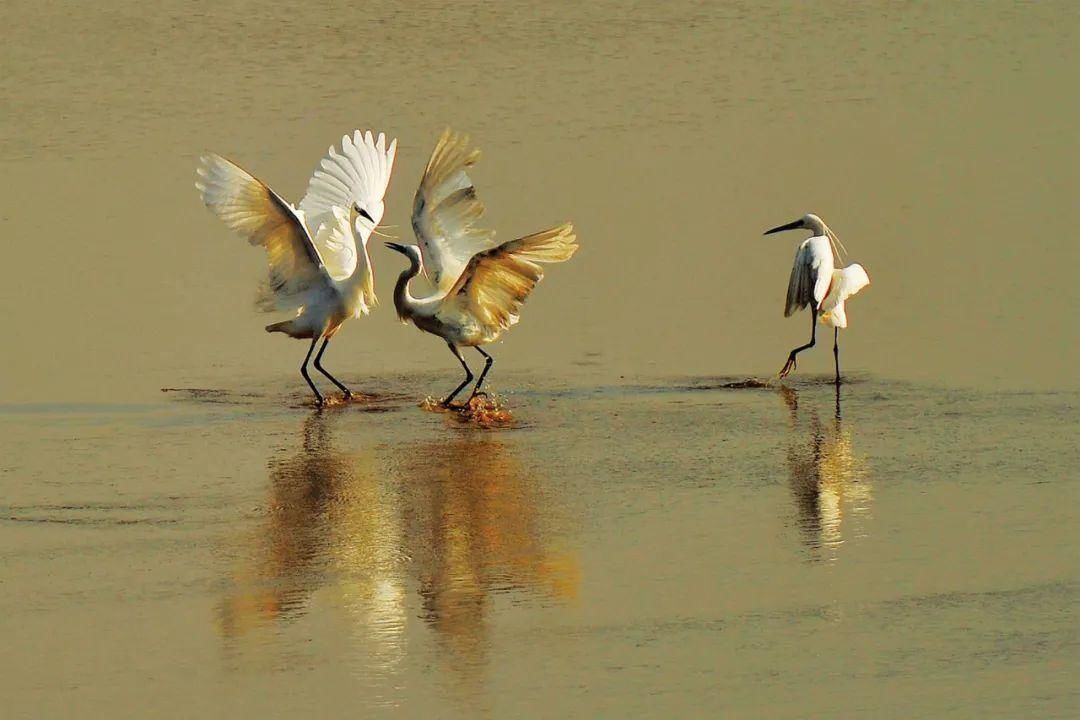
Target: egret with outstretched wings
(479, 285)
(319, 267)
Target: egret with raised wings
(479, 286)
(816, 282)
(318, 268)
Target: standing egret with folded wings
(479, 285)
(318, 260)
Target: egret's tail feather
(836, 317)
(290, 328)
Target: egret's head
(366, 218)
(810, 221)
(410, 251)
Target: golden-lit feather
(497, 281)
(446, 210)
(253, 210)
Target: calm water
(646, 540)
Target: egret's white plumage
(319, 266)
(445, 212)
(816, 282)
(845, 283)
(479, 285)
(810, 274)
(357, 177)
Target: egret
(318, 267)
(479, 286)
(816, 282)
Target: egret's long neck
(404, 302)
(362, 281)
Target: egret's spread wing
(850, 280)
(259, 214)
(845, 283)
(811, 274)
(445, 211)
(496, 282)
(356, 176)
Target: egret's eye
(361, 211)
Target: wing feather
(845, 283)
(800, 284)
(357, 175)
(256, 212)
(811, 274)
(446, 210)
(496, 282)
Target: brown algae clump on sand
(482, 409)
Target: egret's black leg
(790, 364)
(488, 362)
(838, 405)
(303, 371)
(331, 378)
(466, 381)
(836, 352)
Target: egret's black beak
(364, 213)
(395, 246)
(790, 226)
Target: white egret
(816, 282)
(317, 267)
(479, 286)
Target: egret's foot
(347, 395)
(788, 367)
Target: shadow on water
(331, 536)
(477, 527)
(828, 480)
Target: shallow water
(670, 548)
(662, 530)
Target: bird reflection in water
(479, 529)
(331, 539)
(829, 482)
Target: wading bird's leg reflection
(790, 364)
(488, 362)
(838, 405)
(836, 353)
(466, 381)
(304, 372)
(331, 378)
